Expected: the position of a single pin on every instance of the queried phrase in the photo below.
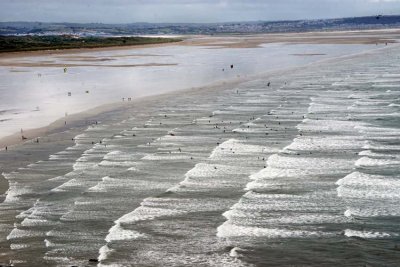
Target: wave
(229, 230)
(365, 234)
(376, 162)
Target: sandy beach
(224, 157)
(25, 61)
(82, 119)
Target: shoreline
(207, 150)
(59, 126)
(79, 121)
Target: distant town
(99, 29)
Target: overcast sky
(125, 11)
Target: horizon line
(222, 22)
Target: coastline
(58, 125)
(80, 121)
(283, 147)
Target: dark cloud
(124, 11)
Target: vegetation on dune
(32, 43)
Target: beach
(232, 151)
(49, 85)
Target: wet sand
(345, 37)
(48, 64)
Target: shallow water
(32, 97)
(302, 172)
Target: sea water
(302, 172)
(34, 96)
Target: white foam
(108, 163)
(227, 230)
(104, 252)
(117, 233)
(19, 246)
(239, 148)
(36, 222)
(211, 170)
(117, 155)
(19, 233)
(325, 143)
(257, 202)
(71, 183)
(147, 211)
(82, 164)
(328, 125)
(365, 234)
(347, 213)
(377, 211)
(368, 180)
(102, 186)
(15, 191)
(394, 105)
(144, 213)
(203, 176)
(48, 243)
(308, 163)
(295, 219)
(233, 253)
(167, 156)
(273, 173)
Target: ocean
(299, 168)
(37, 90)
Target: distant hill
(96, 29)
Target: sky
(199, 11)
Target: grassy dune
(33, 43)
